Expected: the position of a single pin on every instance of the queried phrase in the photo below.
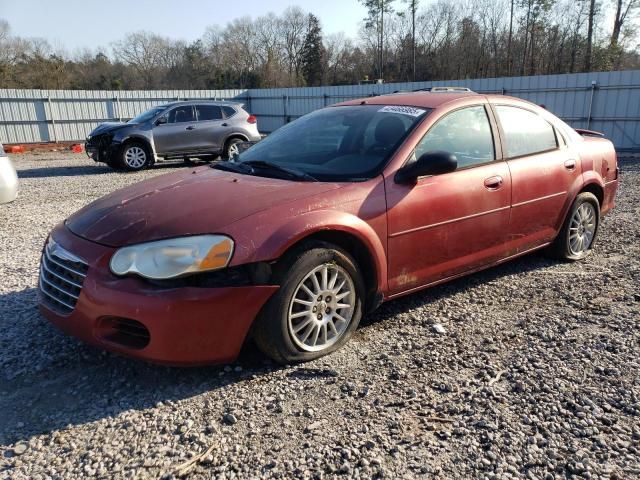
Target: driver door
(178, 134)
(455, 222)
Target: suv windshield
(338, 143)
(148, 115)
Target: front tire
(579, 231)
(317, 308)
(135, 156)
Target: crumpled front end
(101, 147)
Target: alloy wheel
(582, 228)
(322, 307)
(135, 157)
(233, 151)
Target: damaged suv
(197, 128)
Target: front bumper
(101, 148)
(186, 326)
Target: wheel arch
(360, 252)
(344, 230)
(139, 139)
(594, 188)
(588, 182)
(237, 135)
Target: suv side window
(181, 115)
(526, 133)
(465, 133)
(229, 112)
(208, 112)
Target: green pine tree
(313, 52)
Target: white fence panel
(605, 101)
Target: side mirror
(430, 163)
(162, 120)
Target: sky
(78, 24)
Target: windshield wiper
(263, 165)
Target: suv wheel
(135, 156)
(316, 309)
(231, 148)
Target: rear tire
(579, 231)
(307, 319)
(135, 156)
(231, 148)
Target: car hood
(190, 202)
(108, 127)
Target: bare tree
(294, 28)
(376, 10)
(591, 19)
(412, 9)
(148, 54)
(269, 46)
(624, 10)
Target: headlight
(173, 258)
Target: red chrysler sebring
(308, 230)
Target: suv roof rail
(433, 90)
(444, 89)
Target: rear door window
(208, 112)
(525, 132)
(181, 115)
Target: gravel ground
(535, 373)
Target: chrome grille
(61, 278)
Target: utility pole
(382, 39)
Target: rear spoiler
(588, 133)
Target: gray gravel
(532, 372)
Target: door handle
(493, 183)
(570, 164)
(225, 124)
(190, 127)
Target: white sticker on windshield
(411, 111)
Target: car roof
(205, 101)
(426, 99)
(414, 99)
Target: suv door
(177, 134)
(543, 170)
(455, 222)
(211, 127)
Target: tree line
(399, 40)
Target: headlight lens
(174, 257)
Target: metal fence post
(326, 99)
(285, 108)
(52, 120)
(117, 108)
(248, 96)
(594, 85)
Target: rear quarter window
(229, 112)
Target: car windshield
(148, 115)
(348, 143)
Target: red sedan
(308, 230)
